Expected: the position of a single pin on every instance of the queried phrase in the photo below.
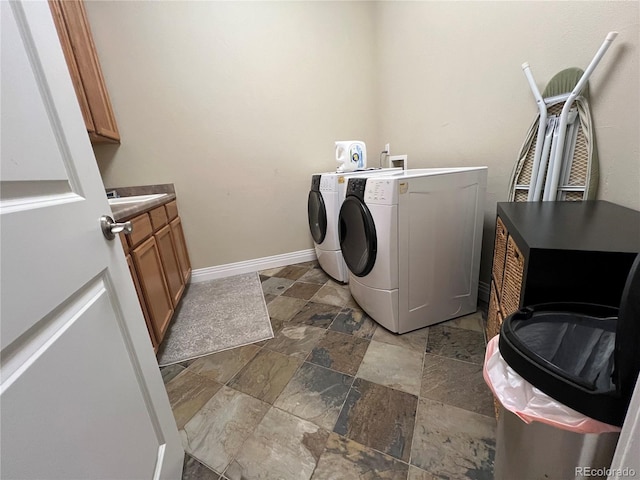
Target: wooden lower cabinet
(169, 257)
(150, 273)
(181, 249)
(143, 304)
(158, 259)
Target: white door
(81, 395)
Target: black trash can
(585, 357)
(539, 437)
(528, 451)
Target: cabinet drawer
(513, 275)
(158, 218)
(141, 229)
(499, 253)
(172, 209)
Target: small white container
(351, 155)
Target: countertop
(127, 211)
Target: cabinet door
(143, 305)
(67, 49)
(154, 286)
(80, 53)
(169, 258)
(181, 249)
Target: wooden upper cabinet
(71, 22)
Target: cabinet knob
(110, 227)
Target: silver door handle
(110, 228)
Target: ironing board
(580, 180)
(558, 160)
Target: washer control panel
(380, 191)
(328, 183)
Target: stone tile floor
(335, 396)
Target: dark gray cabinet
(560, 251)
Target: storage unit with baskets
(560, 252)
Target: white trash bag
(530, 404)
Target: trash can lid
(582, 355)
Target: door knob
(110, 227)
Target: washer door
(358, 239)
(317, 216)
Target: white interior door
(81, 394)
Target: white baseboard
(255, 265)
(483, 291)
(274, 261)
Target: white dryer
(412, 244)
(323, 206)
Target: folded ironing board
(558, 159)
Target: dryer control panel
(380, 191)
(356, 187)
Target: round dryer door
(317, 216)
(358, 239)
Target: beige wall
(452, 91)
(238, 103)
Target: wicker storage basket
(493, 319)
(499, 252)
(494, 322)
(512, 283)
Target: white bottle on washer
(351, 155)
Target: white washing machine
(323, 205)
(412, 244)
